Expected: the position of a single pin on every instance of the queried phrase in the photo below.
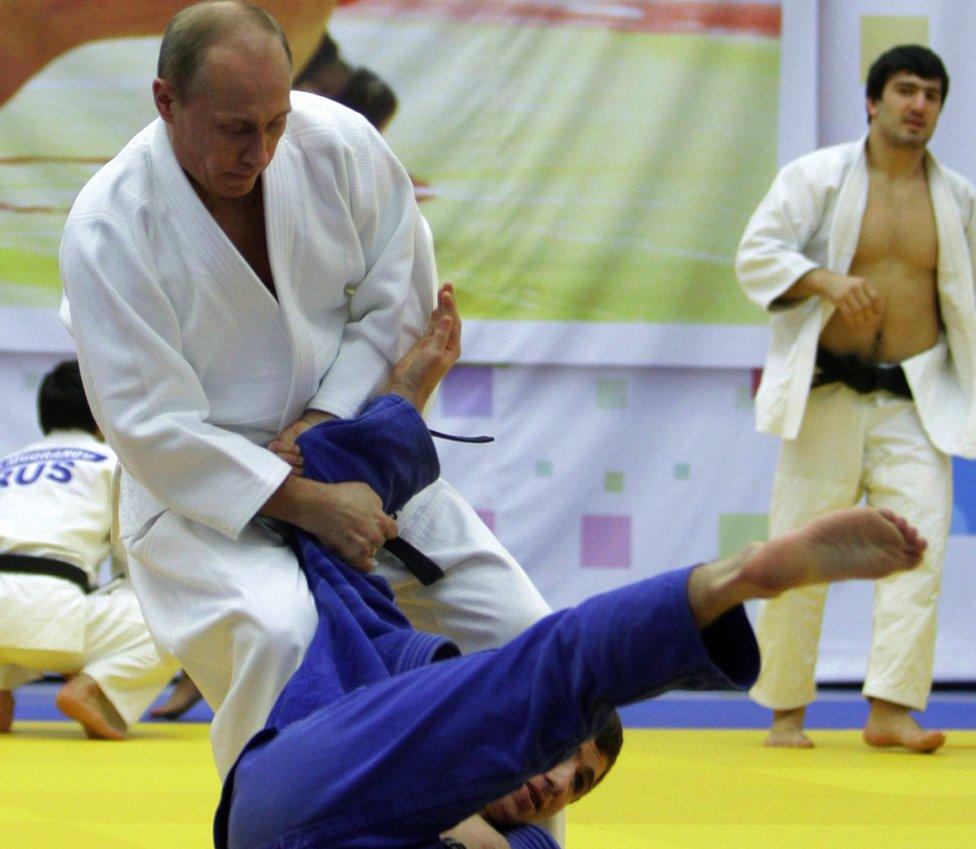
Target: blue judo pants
(395, 763)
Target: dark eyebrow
(933, 87)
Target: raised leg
(464, 732)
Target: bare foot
(6, 710)
(82, 699)
(892, 725)
(786, 730)
(183, 696)
(859, 542)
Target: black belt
(24, 565)
(860, 375)
(420, 565)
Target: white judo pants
(852, 445)
(114, 648)
(238, 615)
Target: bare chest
(899, 228)
(245, 228)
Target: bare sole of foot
(6, 711)
(183, 696)
(859, 542)
(82, 700)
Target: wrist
(291, 501)
(314, 417)
(408, 391)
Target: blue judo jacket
(362, 637)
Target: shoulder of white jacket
(958, 183)
(817, 160)
(66, 438)
(121, 177)
(314, 115)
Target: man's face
(545, 795)
(908, 110)
(226, 129)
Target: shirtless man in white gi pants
(55, 527)
(251, 262)
(864, 255)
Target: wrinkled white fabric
(854, 445)
(811, 217)
(194, 366)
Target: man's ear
(871, 106)
(164, 98)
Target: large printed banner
(586, 168)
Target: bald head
(194, 30)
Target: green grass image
(586, 175)
(578, 174)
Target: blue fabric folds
(362, 637)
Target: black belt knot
(860, 375)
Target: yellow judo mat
(670, 790)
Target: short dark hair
(195, 29)
(609, 740)
(61, 400)
(913, 58)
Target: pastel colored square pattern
(613, 482)
(735, 530)
(543, 469)
(611, 394)
(882, 32)
(605, 542)
(466, 391)
(682, 471)
(488, 517)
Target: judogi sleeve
(390, 306)
(770, 256)
(143, 392)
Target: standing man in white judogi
(252, 262)
(55, 531)
(864, 255)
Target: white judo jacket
(55, 501)
(811, 217)
(190, 363)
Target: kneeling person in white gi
(55, 525)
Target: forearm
(290, 501)
(815, 282)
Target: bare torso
(897, 252)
